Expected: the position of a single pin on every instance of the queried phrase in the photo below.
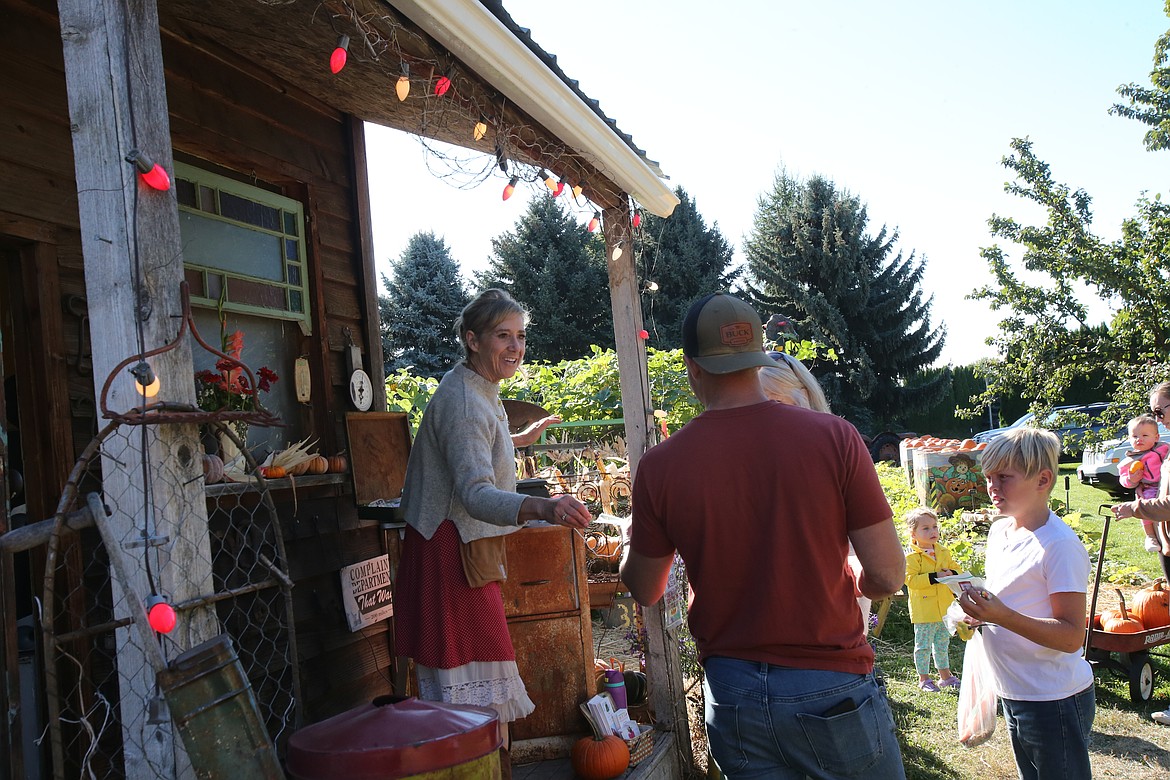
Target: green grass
(926, 721)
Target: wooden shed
(266, 221)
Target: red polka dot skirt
(439, 620)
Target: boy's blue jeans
(1051, 738)
(779, 722)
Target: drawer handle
(536, 582)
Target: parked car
(1072, 434)
(1099, 464)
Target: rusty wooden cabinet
(546, 600)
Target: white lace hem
(494, 684)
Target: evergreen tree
(810, 257)
(686, 260)
(425, 295)
(556, 268)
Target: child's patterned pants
(930, 637)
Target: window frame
(201, 179)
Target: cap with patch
(723, 334)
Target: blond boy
(1033, 611)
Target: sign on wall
(365, 591)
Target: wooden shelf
(342, 481)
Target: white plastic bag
(977, 697)
(955, 621)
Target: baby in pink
(1141, 469)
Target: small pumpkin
(212, 469)
(318, 464)
(1123, 623)
(299, 469)
(274, 472)
(1151, 605)
(338, 464)
(600, 759)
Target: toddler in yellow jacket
(929, 599)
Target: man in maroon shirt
(761, 501)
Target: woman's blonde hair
(789, 382)
(484, 312)
(1026, 449)
(915, 516)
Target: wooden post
(663, 669)
(133, 265)
(627, 321)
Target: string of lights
(447, 105)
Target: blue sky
(908, 104)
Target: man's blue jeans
(1051, 738)
(779, 722)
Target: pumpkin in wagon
(1151, 605)
(1122, 622)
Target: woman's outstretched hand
(531, 434)
(567, 511)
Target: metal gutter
(478, 36)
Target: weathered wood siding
(257, 126)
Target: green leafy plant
(406, 392)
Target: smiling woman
(460, 503)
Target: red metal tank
(398, 737)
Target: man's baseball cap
(723, 334)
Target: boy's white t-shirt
(1024, 568)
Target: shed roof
(538, 116)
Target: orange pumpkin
(318, 464)
(337, 464)
(1151, 605)
(600, 759)
(1122, 623)
(299, 469)
(274, 472)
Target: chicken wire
(107, 716)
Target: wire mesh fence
(223, 572)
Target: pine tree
(556, 268)
(425, 295)
(809, 256)
(686, 260)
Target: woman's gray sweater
(462, 464)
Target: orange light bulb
(508, 190)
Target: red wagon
(1127, 654)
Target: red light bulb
(508, 190)
(160, 615)
(637, 218)
(643, 334)
(153, 174)
(340, 54)
(157, 178)
(595, 222)
(442, 85)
